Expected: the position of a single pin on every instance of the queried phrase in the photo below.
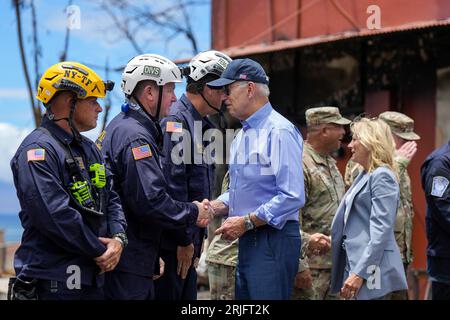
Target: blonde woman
(365, 257)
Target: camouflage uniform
(402, 126)
(324, 189)
(222, 259)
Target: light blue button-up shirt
(266, 175)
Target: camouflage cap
(401, 124)
(316, 116)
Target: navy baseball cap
(241, 70)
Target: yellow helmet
(72, 76)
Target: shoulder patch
(172, 126)
(36, 155)
(440, 184)
(141, 152)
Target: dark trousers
(268, 262)
(440, 291)
(170, 286)
(56, 290)
(127, 286)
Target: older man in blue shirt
(266, 186)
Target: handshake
(205, 213)
(318, 245)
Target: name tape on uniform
(141, 152)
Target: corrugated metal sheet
(297, 43)
(291, 44)
(237, 23)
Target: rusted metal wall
(248, 23)
(237, 23)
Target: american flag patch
(36, 155)
(174, 127)
(141, 152)
(243, 76)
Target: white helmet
(208, 62)
(149, 67)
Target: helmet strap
(158, 108)
(152, 118)
(143, 109)
(51, 116)
(222, 122)
(76, 134)
(56, 120)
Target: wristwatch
(122, 238)
(248, 223)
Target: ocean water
(10, 223)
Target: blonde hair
(377, 137)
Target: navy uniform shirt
(193, 179)
(130, 147)
(56, 234)
(435, 182)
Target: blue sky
(92, 44)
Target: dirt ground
(203, 294)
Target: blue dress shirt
(266, 175)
